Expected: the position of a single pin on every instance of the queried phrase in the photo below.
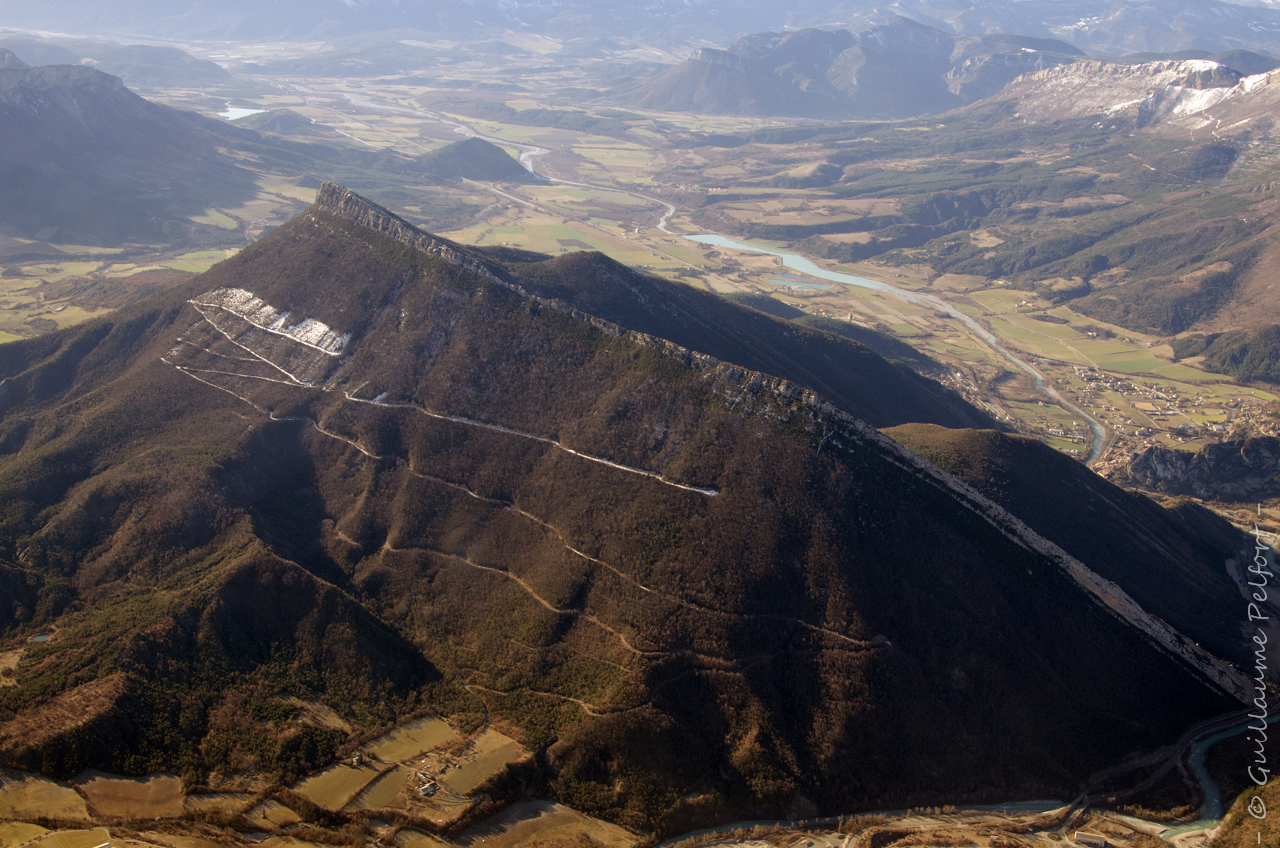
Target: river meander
(806, 266)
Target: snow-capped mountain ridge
(1145, 93)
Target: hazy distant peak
(8, 59)
(475, 159)
(45, 77)
(1244, 62)
(893, 69)
(755, 45)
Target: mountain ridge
(1115, 27)
(85, 160)
(733, 379)
(897, 69)
(345, 204)
(1139, 93)
(523, 497)
(881, 393)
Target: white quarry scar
(310, 332)
(257, 312)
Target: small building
(1093, 840)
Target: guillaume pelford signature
(1259, 571)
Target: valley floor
(616, 195)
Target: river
(806, 266)
(1211, 811)
(528, 152)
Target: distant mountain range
(1138, 94)
(895, 70)
(361, 464)
(903, 69)
(139, 65)
(84, 160)
(1114, 27)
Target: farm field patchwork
(334, 787)
(155, 796)
(28, 796)
(381, 792)
(531, 822)
(270, 815)
(489, 753)
(412, 740)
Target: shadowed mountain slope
(361, 464)
(1172, 561)
(844, 371)
(139, 65)
(84, 160)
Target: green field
(216, 218)
(1034, 343)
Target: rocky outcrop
(1142, 93)
(712, 56)
(346, 204)
(1242, 471)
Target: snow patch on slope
(1147, 92)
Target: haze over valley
(592, 424)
